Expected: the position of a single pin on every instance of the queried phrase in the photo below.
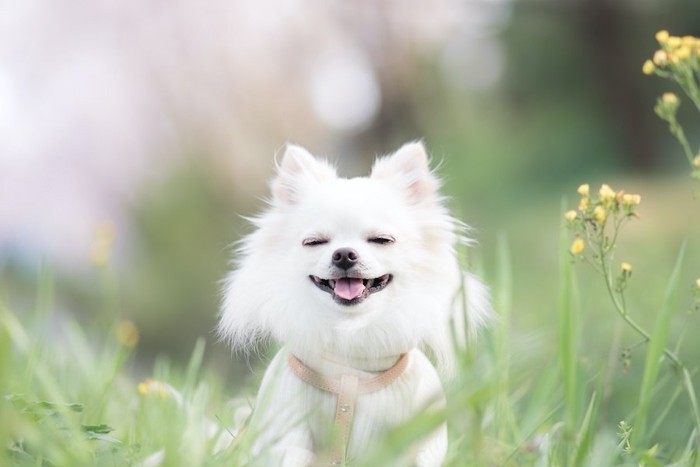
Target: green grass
(555, 395)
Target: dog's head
(362, 266)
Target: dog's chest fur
(313, 410)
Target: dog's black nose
(345, 258)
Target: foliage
(70, 397)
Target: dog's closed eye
(382, 239)
(314, 241)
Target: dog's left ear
(408, 170)
(297, 169)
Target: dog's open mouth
(351, 290)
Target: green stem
(622, 311)
(677, 131)
(690, 87)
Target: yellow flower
(577, 247)
(689, 41)
(606, 193)
(697, 284)
(683, 53)
(570, 215)
(674, 42)
(151, 386)
(662, 36)
(599, 214)
(584, 189)
(128, 334)
(101, 251)
(668, 104)
(648, 68)
(631, 200)
(696, 161)
(583, 204)
(669, 98)
(660, 58)
(626, 267)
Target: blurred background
(135, 134)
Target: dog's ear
(408, 170)
(296, 170)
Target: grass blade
(567, 333)
(195, 365)
(507, 425)
(659, 337)
(587, 431)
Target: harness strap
(346, 388)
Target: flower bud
(674, 42)
(683, 53)
(631, 200)
(599, 214)
(660, 58)
(662, 36)
(606, 193)
(648, 68)
(577, 247)
(689, 41)
(667, 105)
(669, 98)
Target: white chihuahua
(353, 277)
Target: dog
(355, 278)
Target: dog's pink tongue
(349, 288)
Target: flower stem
(621, 309)
(677, 131)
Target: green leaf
(102, 428)
(91, 435)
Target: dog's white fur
(270, 294)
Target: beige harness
(347, 388)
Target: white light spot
(344, 92)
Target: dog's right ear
(297, 169)
(409, 171)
